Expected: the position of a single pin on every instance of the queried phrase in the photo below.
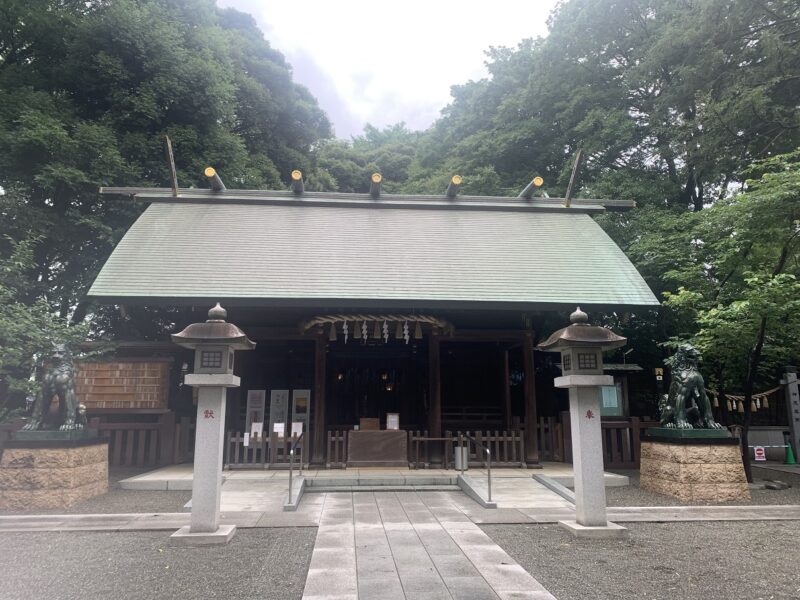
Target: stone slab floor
(420, 545)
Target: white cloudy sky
(379, 62)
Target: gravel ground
(118, 500)
(258, 563)
(704, 561)
(633, 495)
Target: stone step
(378, 481)
(381, 488)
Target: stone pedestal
(207, 480)
(587, 456)
(52, 473)
(591, 520)
(694, 470)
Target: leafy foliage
(88, 90)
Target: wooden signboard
(377, 448)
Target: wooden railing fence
(550, 435)
(265, 452)
(184, 441)
(138, 444)
(337, 449)
(620, 441)
(507, 448)
(164, 441)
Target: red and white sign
(760, 453)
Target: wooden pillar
(531, 424)
(506, 391)
(434, 395)
(318, 414)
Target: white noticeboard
(301, 403)
(256, 400)
(392, 420)
(297, 428)
(278, 410)
(279, 428)
(256, 429)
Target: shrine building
(370, 312)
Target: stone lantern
(214, 343)
(581, 346)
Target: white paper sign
(246, 439)
(278, 409)
(256, 429)
(256, 403)
(392, 420)
(297, 428)
(278, 428)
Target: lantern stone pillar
(214, 343)
(581, 346)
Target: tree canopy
(688, 107)
(88, 90)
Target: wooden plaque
(369, 424)
(385, 448)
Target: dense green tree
(88, 90)
(670, 100)
(740, 290)
(686, 91)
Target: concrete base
(220, 537)
(476, 491)
(694, 471)
(298, 487)
(611, 530)
(51, 473)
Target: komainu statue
(58, 380)
(687, 406)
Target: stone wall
(694, 472)
(36, 478)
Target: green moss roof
(292, 252)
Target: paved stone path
(392, 545)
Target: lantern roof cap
(214, 331)
(580, 333)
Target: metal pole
(461, 450)
(291, 464)
(489, 470)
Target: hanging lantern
(418, 331)
(332, 334)
(345, 331)
(766, 402)
(752, 406)
(406, 335)
(385, 332)
(376, 332)
(398, 331)
(740, 407)
(730, 408)
(364, 331)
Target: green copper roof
(348, 255)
